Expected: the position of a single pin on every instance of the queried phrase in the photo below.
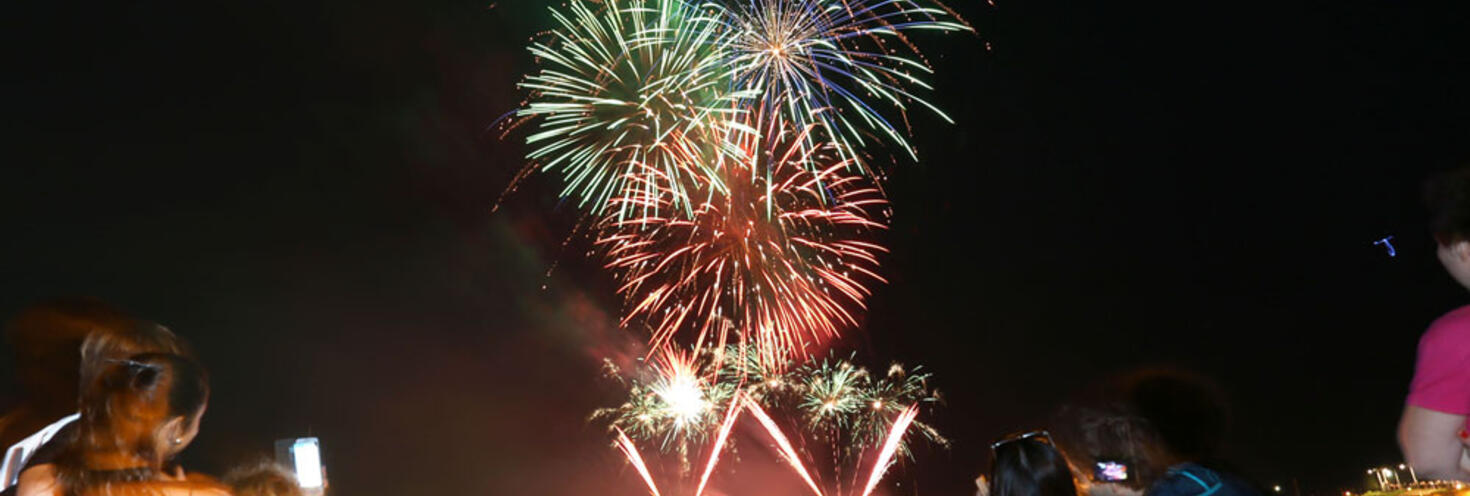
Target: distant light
(1401, 466)
(1387, 244)
(1387, 472)
(1277, 488)
(308, 459)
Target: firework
(677, 406)
(853, 411)
(780, 259)
(833, 393)
(718, 150)
(814, 60)
(692, 402)
(626, 446)
(629, 85)
(787, 451)
(732, 413)
(890, 445)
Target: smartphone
(1110, 471)
(304, 456)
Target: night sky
(306, 191)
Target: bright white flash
(684, 399)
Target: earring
(178, 441)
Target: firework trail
(833, 402)
(880, 466)
(780, 260)
(631, 451)
(787, 451)
(731, 414)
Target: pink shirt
(1442, 373)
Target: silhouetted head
(1447, 196)
(1111, 432)
(1029, 465)
(1188, 412)
(1448, 199)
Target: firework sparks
(886, 397)
(812, 59)
(717, 151)
(880, 466)
(780, 259)
(852, 410)
(714, 455)
(631, 451)
(786, 450)
(833, 393)
(631, 84)
(831, 403)
(677, 406)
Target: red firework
(775, 251)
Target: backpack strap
(1209, 489)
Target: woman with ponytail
(135, 418)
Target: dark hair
(121, 411)
(1186, 410)
(1112, 432)
(265, 478)
(1029, 467)
(45, 337)
(1447, 196)
(104, 348)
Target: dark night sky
(305, 190)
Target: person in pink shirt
(1432, 432)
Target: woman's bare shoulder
(171, 488)
(39, 480)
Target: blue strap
(1208, 488)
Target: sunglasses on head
(1040, 436)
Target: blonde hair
(263, 479)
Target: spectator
(120, 338)
(44, 339)
(136, 417)
(1111, 434)
(1432, 428)
(1190, 419)
(263, 479)
(1028, 465)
